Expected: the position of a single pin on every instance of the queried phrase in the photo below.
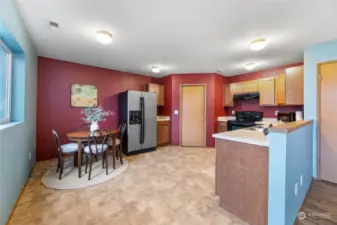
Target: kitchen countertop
(225, 118)
(163, 118)
(244, 136)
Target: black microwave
(286, 117)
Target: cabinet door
(222, 126)
(294, 85)
(267, 91)
(228, 95)
(163, 132)
(160, 95)
(238, 88)
(251, 86)
(280, 90)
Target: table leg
(79, 157)
(114, 151)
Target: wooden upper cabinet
(160, 96)
(294, 87)
(159, 90)
(251, 86)
(228, 95)
(280, 90)
(237, 88)
(245, 87)
(267, 91)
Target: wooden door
(228, 95)
(280, 90)
(328, 123)
(267, 91)
(294, 87)
(192, 110)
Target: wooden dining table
(81, 137)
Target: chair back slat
(122, 129)
(57, 139)
(97, 137)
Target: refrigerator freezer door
(133, 130)
(150, 120)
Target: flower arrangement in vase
(95, 114)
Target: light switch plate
(276, 112)
(176, 112)
(233, 112)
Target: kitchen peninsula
(257, 176)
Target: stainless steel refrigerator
(139, 111)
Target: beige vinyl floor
(171, 186)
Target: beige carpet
(70, 178)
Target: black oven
(236, 125)
(244, 119)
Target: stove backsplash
(254, 105)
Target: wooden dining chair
(117, 152)
(62, 151)
(119, 142)
(97, 146)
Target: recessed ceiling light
(250, 66)
(155, 69)
(104, 36)
(258, 44)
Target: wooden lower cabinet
(163, 133)
(222, 127)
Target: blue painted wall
(313, 55)
(17, 140)
(290, 156)
(299, 162)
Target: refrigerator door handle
(142, 125)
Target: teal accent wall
(313, 55)
(17, 140)
(290, 156)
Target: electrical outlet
(301, 180)
(276, 112)
(296, 189)
(30, 155)
(176, 112)
(233, 112)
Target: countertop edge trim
(290, 127)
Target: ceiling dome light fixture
(104, 36)
(250, 66)
(155, 69)
(258, 44)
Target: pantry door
(328, 121)
(192, 120)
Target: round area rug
(70, 178)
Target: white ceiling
(180, 36)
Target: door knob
(202, 119)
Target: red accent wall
(53, 102)
(179, 79)
(254, 105)
(214, 101)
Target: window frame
(8, 83)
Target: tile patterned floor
(172, 186)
